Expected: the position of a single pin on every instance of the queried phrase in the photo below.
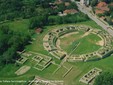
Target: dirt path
(101, 43)
(87, 33)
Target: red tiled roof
(104, 8)
(101, 8)
(38, 30)
(101, 4)
(99, 11)
(70, 11)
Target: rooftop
(101, 4)
(38, 30)
(70, 11)
(101, 8)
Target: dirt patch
(22, 70)
(101, 43)
(87, 33)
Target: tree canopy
(10, 43)
(11, 9)
(105, 78)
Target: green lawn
(21, 25)
(88, 43)
(79, 68)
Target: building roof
(58, 1)
(70, 11)
(67, 3)
(99, 11)
(38, 30)
(101, 8)
(104, 8)
(101, 4)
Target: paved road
(100, 22)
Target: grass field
(79, 68)
(19, 25)
(39, 37)
(88, 43)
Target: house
(97, 11)
(38, 30)
(61, 14)
(70, 11)
(101, 4)
(82, 2)
(67, 3)
(58, 1)
(101, 8)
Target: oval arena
(51, 43)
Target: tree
(55, 20)
(38, 21)
(10, 43)
(111, 8)
(61, 7)
(107, 1)
(94, 2)
(72, 6)
(105, 78)
(109, 20)
(9, 55)
(12, 9)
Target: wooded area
(10, 43)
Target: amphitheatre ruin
(52, 43)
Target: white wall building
(82, 2)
